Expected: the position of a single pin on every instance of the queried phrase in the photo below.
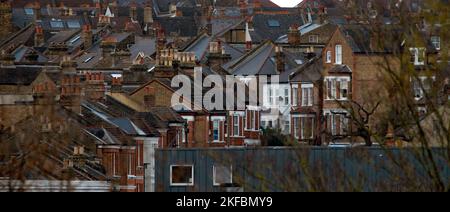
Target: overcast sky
(287, 3)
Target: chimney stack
(116, 85)
(217, 55)
(37, 11)
(39, 36)
(95, 86)
(87, 36)
(133, 11)
(294, 35)
(148, 13)
(280, 59)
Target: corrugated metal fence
(309, 169)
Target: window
(73, 24)
(338, 54)
(328, 56)
(313, 38)
(130, 164)
(421, 86)
(222, 175)
(182, 175)
(343, 124)
(418, 56)
(307, 95)
(286, 96)
(29, 11)
(294, 96)
(236, 125)
(270, 124)
(333, 124)
(216, 131)
(296, 127)
(436, 41)
(273, 23)
(263, 123)
(253, 120)
(344, 90)
(270, 96)
(339, 123)
(56, 24)
(333, 89)
(307, 127)
(287, 126)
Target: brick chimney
(217, 55)
(148, 13)
(133, 10)
(37, 11)
(98, 9)
(95, 87)
(6, 59)
(87, 36)
(116, 85)
(280, 59)
(70, 86)
(294, 35)
(68, 65)
(39, 36)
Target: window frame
(307, 89)
(215, 175)
(328, 57)
(182, 184)
(236, 124)
(338, 55)
(218, 131)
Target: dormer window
(436, 41)
(417, 56)
(29, 11)
(313, 38)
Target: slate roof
(183, 26)
(19, 76)
(310, 72)
(340, 69)
(271, 27)
(259, 61)
(200, 46)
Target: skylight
(29, 11)
(273, 23)
(73, 24)
(56, 24)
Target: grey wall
(306, 169)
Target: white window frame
(436, 40)
(181, 184)
(342, 83)
(286, 96)
(296, 127)
(270, 91)
(294, 95)
(214, 174)
(416, 52)
(303, 123)
(218, 131)
(338, 55)
(236, 123)
(307, 95)
(328, 56)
